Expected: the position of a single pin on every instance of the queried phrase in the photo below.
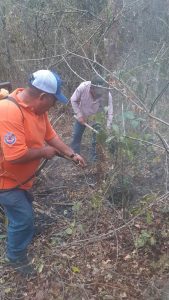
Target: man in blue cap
(27, 137)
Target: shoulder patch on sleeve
(9, 138)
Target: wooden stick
(87, 125)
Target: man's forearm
(30, 155)
(60, 146)
(65, 150)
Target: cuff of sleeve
(51, 137)
(79, 115)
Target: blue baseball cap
(49, 82)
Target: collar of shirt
(15, 94)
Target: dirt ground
(97, 242)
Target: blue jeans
(78, 131)
(94, 154)
(17, 204)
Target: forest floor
(96, 244)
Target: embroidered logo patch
(10, 138)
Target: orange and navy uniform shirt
(18, 133)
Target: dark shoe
(22, 266)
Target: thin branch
(123, 121)
(144, 142)
(64, 59)
(166, 172)
(158, 119)
(40, 58)
(159, 96)
(158, 53)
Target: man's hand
(79, 160)
(81, 120)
